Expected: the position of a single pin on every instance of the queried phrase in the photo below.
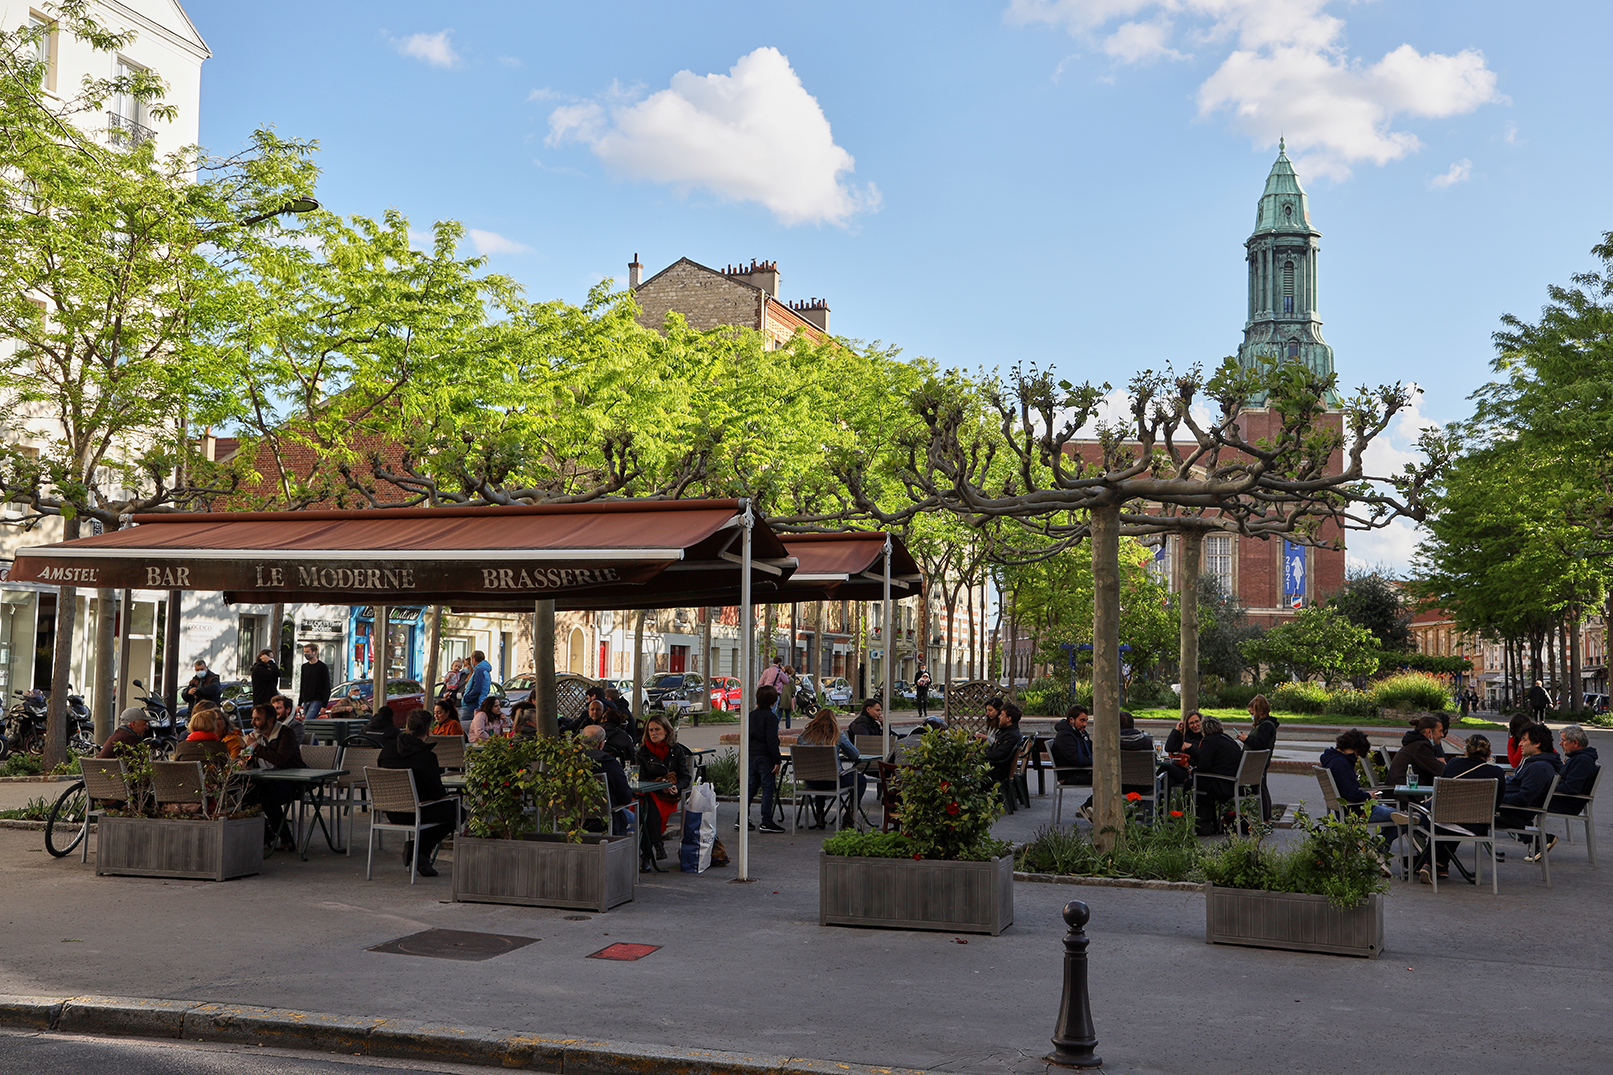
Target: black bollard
(1075, 1037)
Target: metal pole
(1074, 1038)
(170, 660)
(379, 629)
(747, 688)
(888, 637)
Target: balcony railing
(126, 131)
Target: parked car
(675, 692)
(519, 687)
(837, 690)
(1596, 703)
(625, 688)
(354, 697)
(725, 694)
(904, 691)
(236, 693)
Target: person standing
(921, 691)
(204, 685)
(765, 757)
(476, 686)
(313, 693)
(1539, 701)
(774, 676)
(265, 678)
(786, 698)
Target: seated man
(1578, 771)
(133, 724)
(270, 745)
(617, 738)
(1528, 786)
(1419, 750)
(1072, 747)
(606, 765)
(1340, 759)
(1131, 736)
(409, 750)
(287, 713)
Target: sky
(1064, 182)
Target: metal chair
(450, 751)
(178, 783)
(871, 744)
(1456, 805)
(1022, 761)
(1568, 817)
(1251, 767)
(820, 764)
(392, 790)
(1059, 785)
(106, 780)
(890, 795)
(357, 760)
(1535, 831)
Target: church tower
(1283, 321)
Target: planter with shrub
(216, 840)
(1168, 850)
(501, 857)
(1324, 895)
(944, 870)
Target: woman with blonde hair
(660, 757)
(203, 743)
(824, 730)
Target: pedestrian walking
(265, 678)
(313, 691)
(921, 691)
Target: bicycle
(68, 823)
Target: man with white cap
(133, 723)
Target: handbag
(699, 829)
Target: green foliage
(1374, 602)
(1144, 691)
(1349, 702)
(19, 764)
(37, 809)
(1424, 662)
(70, 767)
(506, 776)
(1167, 851)
(1319, 643)
(722, 772)
(874, 845)
(1223, 627)
(1053, 599)
(1302, 697)
(1341, 860)
(1049, 696)
(1411, 690)
(1234, 696)
(948, 800)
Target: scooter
(25, 723)
(161, 732)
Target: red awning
(462, 556)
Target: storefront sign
(321, 627)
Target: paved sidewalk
(747, 968)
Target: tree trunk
(638, 666)
(126, 610)
(1108, 819)
(969, 606)
(61, 665)
(1002, 651)
(380, 628)
(433, 657)
(952, 608)
(544, 695)
(795, 636)
(170, 659)
(277, 634)
(1192, 545)
(104, 703)
(1576, 667)
(769, 649)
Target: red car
(354, 697)
(724, 693)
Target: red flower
(945, 785)
(1132, 797)
(1176, 813)
(917, 857)
(952, 808)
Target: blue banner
(1294, 574)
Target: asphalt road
(35, 1054)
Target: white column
(747, 640)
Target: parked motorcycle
(161, 731)
(25, 722)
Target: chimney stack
(762, 274)
(635, 272)
(815, 311)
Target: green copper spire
(1283, 320)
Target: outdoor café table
(1404, 794)
(453, 781)
(644, 791)
(1040, 756)
(311, 782)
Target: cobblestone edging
(404, 1038)
(12, 823)
(1109, 882)
(37, 779)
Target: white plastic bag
(699, 829)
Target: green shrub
(1411, 690)
(1349, 702)
(1151, 694)
(1233, 696)
(948, 799)
(1167, 851)
(1047, 696)
(873, 845)
(1341, 860)
(1299, 698)
(37, 810)
(21, 765)
(723, 772)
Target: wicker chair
(105, 780)
(393, 790)
(356, 760)
(822, 764)
(1457, 805)
(871, 744)
(178, 783)
(450, 751)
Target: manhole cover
(625, 952)
(454, 944)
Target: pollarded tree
(1319, 643)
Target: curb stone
(1109, 882)
(45, 779)
(374, 1036)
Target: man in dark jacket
(1539, 701)
(1131, 736)
(1528, 786)
(869, 722)
(265, 678)
(409, 750)
(1219, 755)
(1419, 751)
(1072, 747)
(617, 738)
(1340, 760)
(204, 686)
(921, 691)
(1003, 742)
(1578, 773)
(621, 793)
(270, 745)
(765, 757)
(313, 690)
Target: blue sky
(1064, 181)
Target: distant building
(742, 296)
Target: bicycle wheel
(68, 822)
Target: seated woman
(445, 720)
(524, 721)
(225, 727)
(661, 757)
(1473, 765)
(1184, 740)
(203, 743)
(1218, 754)
(824, 731)
(489, 721)
(407, 749)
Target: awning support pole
(888, 637)
(380, 628)
(544, 693)
(747, 688)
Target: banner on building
(1294, 574)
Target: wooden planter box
(177, 847)
(544, 870)
(1298, 923)
(961, 897)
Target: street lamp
(295, 205)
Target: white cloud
(434, 49)
(1387, 455)
(754, 134)
(491, 242)
(1288, 72)
(1509, 134)
(1392, 547)
(1459, 172)
(510, 61)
